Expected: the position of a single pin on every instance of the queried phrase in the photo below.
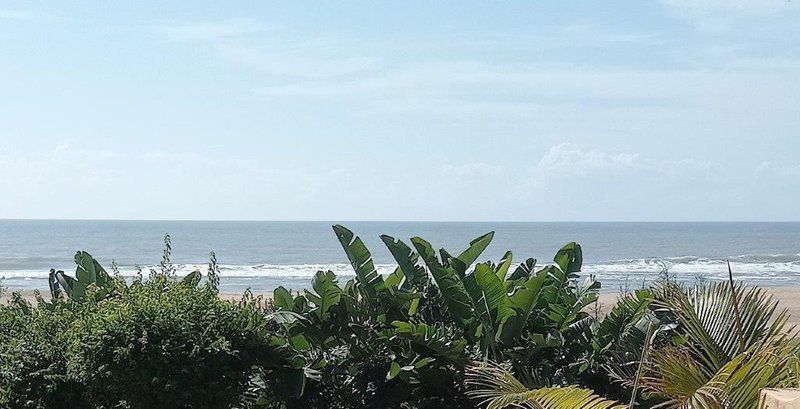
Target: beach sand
(788, 298)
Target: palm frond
(678, 377)
(706, 314)
(497, 388)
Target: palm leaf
(710, 369)
(678, 378)
(707, 316)
(736, 385)
(497, 388)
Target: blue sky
(562, 110)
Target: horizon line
(392, 221)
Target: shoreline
(788, 298)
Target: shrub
(156, 344)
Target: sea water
(263, 255)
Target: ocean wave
(746, 267)
(289, 271)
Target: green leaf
(394, 370)
(89, 270)
(191, 279)
(406, 259)
(393, 280)
(476, 247)
(360, 258)
(523, 271)
(504, 265)
(523, 299)
(328, 293)
(497, 388)
(283, 299)
(452, 289)
(430, 341)
(494, 296)
(74, 289)
(569, 258)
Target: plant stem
(736, 309)
(645, 347)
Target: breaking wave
(762, 269)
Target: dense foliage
(441, 330)
(157, 343)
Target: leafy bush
(403, 340)
(158, 343)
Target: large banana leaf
(497, 388)
(74, 289)
(455, 295)
(407, 260)
(283, 299)
(569, 258)
(360, 258)
(571, 304)
(52, 281)
(522, 300)
(489, 299)
(504, 265)
(523, 271)
(476, 247)
(432, 342)
(89, 271)
(327, 294)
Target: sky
(671, 110)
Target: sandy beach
(788, 297)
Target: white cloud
(561, 94)
(569, 161)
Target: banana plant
(494, 306)
(387, 298)
(88, 272)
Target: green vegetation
(441, 330)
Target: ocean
(264, 255)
